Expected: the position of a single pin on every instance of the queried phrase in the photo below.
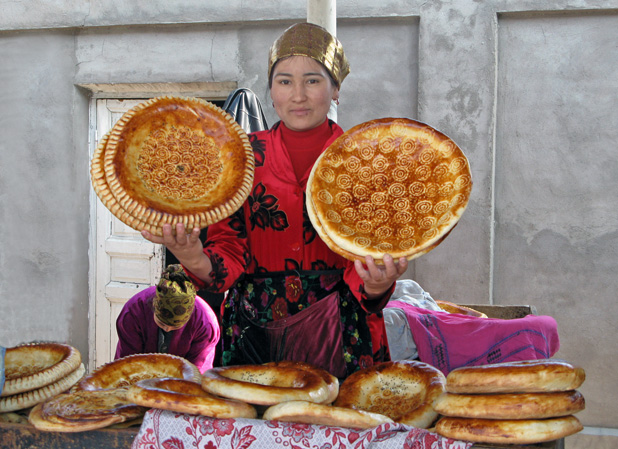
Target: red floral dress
(271, 261)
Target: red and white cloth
(170, 430)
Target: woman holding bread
(289, 296)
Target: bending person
(169, 318)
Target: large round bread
(269, 384)
(27, 399)
(404, 391)
(526, 376)
(390, 185)
(173, 159)
(185, 396)
(321, 414)
(525, 431)
(33, 366)
(131, 369)
(84, 410)
(510, 405)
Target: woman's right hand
(186, 247)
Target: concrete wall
(526, 87)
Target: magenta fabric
(450, 340)
(138, 333)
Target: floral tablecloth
(170, 430)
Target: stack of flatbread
(38, 371)
(523, 402)
(388, 186)
(173, 160)
(100, 399)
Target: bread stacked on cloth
(37, 371)
(100, 398)
(173, 160)
(521, 402)
(390, 185)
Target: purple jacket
(138, 333)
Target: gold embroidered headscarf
(175, 298)
(308, 39)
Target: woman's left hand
(379, 278)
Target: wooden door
(124, 262)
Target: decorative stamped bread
(171, 160)
(451, 307)
(131, 369)
(33, 366)
(405, 391)
(391, 185)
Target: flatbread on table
(405, 391)
(523, 376)
(35, 365)
(84, 410)
(173, 160)
(184, 396)
(511, 405)
(21, 401)
(129, 370)
(271, 383)
(390, 185)
(321, 414)
(517, 431)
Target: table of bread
(392, 404)
(388, 186)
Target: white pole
(324, 13)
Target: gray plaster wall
(526, 88)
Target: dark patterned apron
(308, 316)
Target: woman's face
(301, 92)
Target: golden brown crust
(508, 431)
(268, 384)
(172, 160)
(510, 405)
(129, 370)
(404, 391)
(33, 366)
(525, 376)
(331, 381)
(184, 396)
(21, 401)
(328, 415)
(389, 185)
(451, 307)
(84, 410)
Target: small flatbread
(33, 366)
(131, 369)
(494, 431)
(405, 391)
(451, 307)
(269, 384)
(172, 160)
(510, 406)
(30, 398)
(391, 185)
(328, 415)
(184, 396)
(84, 410)
(525, 376)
